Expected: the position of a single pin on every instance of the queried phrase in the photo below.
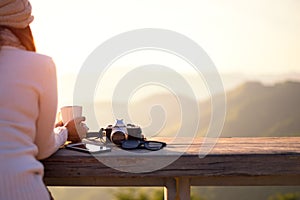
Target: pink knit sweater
(28, 106)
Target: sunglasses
(141, 144)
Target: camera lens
(117, 137)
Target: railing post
(170, 191)
(183, 188)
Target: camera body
(120, 132)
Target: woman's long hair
(24, 35)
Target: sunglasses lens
(130, 144)
(152, 145)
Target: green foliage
(138, 194)
(196, 197)
(144, 194)
(287, 196)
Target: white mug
(70, 112)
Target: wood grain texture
(232, 161)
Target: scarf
(9, 39)
(15, 13)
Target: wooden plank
(106, 181)
(236, 161)
(293, 180)
(247, 165)
(223, 146)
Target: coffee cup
(69, 113)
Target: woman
(28, 105)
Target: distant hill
(254, 109)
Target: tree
(142, 194)
(287, 196)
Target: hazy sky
(253, 35)
(241, 36)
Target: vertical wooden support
(170, 189)
(183, 188)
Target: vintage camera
(120, 132)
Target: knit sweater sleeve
(48, 140)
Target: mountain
(254, 109)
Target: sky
(251, 37)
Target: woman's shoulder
(20, 52)
(23, 57)
(26, 65)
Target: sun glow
(249, 37)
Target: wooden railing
(232, 162)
